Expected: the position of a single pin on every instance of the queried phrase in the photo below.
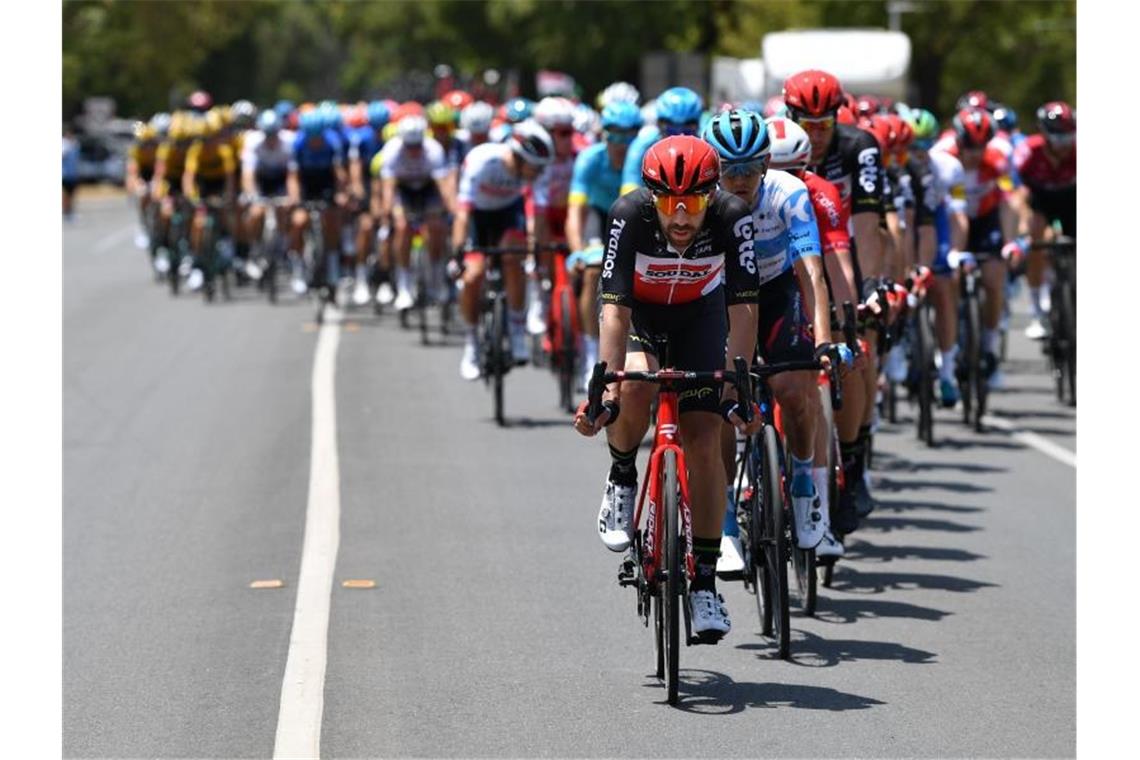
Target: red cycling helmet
(1056, 118)
(973, 127)
(867, 106)
(407, 108)
(845, 115)
(813, 93)
(974, 99)
(680, 165)
(457, 99)
(850, 101)
(903, 131)
(880, 126)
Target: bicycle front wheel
(924, 362)
(567, 352)
(776, 542)
(498, 357)
(970, 340)
(672, 586)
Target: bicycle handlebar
(740, 377)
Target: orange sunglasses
(693, 203)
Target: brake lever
(594, 392)
(743, 389)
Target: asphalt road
(496, 627)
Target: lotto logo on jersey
(869, 169)
(747, 256)
(611, 248)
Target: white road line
(1045, 446)
(303, 687)
(112, 240)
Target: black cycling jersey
(853, 163)
(641, 267)
(922, 190)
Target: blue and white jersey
(784, 224)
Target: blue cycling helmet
(679, 105)
(378, 114)
(330, 115)
(621, 114)
(283, 108)
(312, 123)
(1005, 116)
(752, 105)
(269, 122)
(738, 136)
(519, 109)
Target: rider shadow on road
(710, 693)
(843, 611)
(851, 580)
(888, 484)
(863, 551)
(891, 524)
(888, 462)
(812, 651)
(934, 506)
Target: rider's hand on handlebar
(609, 413)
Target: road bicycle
(429, 281)
(659, 563)
(322, 269)
(274, 244)
(1061, 345)
(972, 371)
(563, 328)
(214, 251)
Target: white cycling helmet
(411, 129)
(554, 112)
(532, 143)
(587, 121)
(791, 146)
(622, 92)
(476, 118)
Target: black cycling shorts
(985, 235)
(210, 188)
(785, 333)
(1057, 204)
(488, 227)
(689, 336)
(418, 201)
(318, 185)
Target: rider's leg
(624, 436)
(994, 272)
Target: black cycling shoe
(844, 517)
(864, 504)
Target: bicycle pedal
(707, 637)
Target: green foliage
(148, 54)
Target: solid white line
(112, 240)
(303, 687)
(1043, 445)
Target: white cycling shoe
(829, 546)
(616, 515)
(195, 280)
(469, 364)
(710, 616)
(536, 317)
(1036, 330)
(384, 294)
(404, 300)
(731, 560)
(809, 521)
(360, 293)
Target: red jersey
(986, 184)
(830, 214)
(1041, 170)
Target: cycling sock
(590, 349)
(1035, 301)
(403, 278)
(706, 551)
(517, 320)
(990, 340)
(949, 358)
(801, 476)
(623, 470)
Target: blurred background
(125, 60)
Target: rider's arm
(613, 332)
(190, 172)
(575, 223)
(804, 249)
(742, 284)
(617, 285)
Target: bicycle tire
(981, 380)
(174, 247)
(778, 546)
(207, 245)
(757, 530)
(924, 353)
(498, 357)
(566, 360)
(1068, 301)
(672, 586)
(969, 352)
(823, 568)
(422, 296)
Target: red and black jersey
(853, 164)
(641, 267)
(1041, 170)
(830, 214)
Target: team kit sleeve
(867, 172)
(437, 161)
(620, 257)
(742, 283)
(385, 160)
(580, 179)
(466, 195)
(799, 219)
(631, 171)
(831, 218)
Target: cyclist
(786, 247)
(850, 159)
(550, 194)
(987, 182)
(514, 111)
(594, 187)
(70, 171)
(209, 173)
(240, 119)
(791, 151)
(316, 175)
(475, 123)
(265, 169)
(938, 182)
(169, 163)
(677, 112)
(679, 265)
(442, 121)
(1047, 163)
(491, 212)
(410, 180)
(364, 144)
(618, 92)
(140, 170)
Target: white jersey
(552, 188)
(784, 228)
(486, 184)
(264, 158)
(412, 170)
(949, 181)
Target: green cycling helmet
(925, 125)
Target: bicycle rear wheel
(671, 588)
(969, 354)
(1067, 359)
(804, 564)
(981, 374)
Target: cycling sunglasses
(744, 168)
(693, 203)
(812, 122)
(620, 136)
(669, 129)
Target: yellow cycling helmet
(214, 123)
(440, 114)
